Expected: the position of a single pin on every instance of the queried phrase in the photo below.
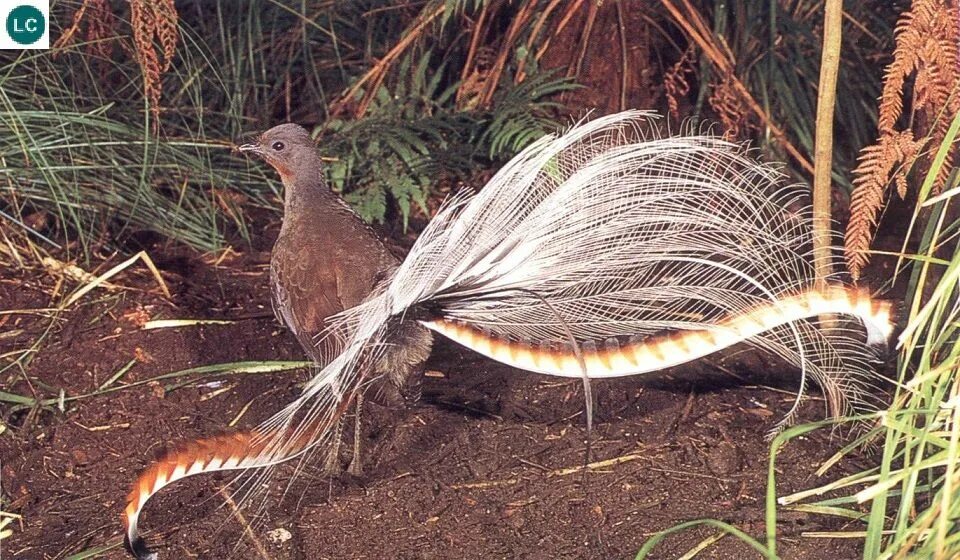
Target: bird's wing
(305, 291)
(326, 273)
(358, 272)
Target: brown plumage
(326, 260)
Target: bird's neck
(308, 198)
(304, 186)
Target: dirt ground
(485, 466)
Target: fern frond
(925, 51)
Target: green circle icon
(25, 24)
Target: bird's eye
(277, 146)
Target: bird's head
(287, 147)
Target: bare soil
(485, 466)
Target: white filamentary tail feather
(648, 250)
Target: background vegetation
(126, 125)
(120, 138)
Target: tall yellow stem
(823, 151)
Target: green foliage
(398, 148)
(76, 140)
(518, 119)
(915, 495)
(414, 135)
(776, 48)
(79, 153)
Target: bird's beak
(251, 148)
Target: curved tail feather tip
(224, 452)
(250, 449)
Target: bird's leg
(331, 467)
(356, 465)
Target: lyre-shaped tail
(647, 250)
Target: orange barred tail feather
(234, 451)
(224, 452)
(677, 347)
(251, 449)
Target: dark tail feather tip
(138, 548)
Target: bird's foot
(331, 466)
(355, 468)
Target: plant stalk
(823, 148)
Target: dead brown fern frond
(94, 20)
(926, 53)
(155, 35)
(165, 18)
(101, 29)
(727, 103)
(66, 38)
(887, 158)
(675, 84)
(154, 22)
